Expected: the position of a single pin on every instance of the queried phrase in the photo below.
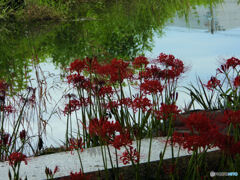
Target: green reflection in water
(120, 29)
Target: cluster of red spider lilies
(118, 102)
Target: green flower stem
(66, 134)
(16, 127)
(80, 160)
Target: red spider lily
(132, 154)
(232, 62)
(77, 65)
(91, 64)
(167, 112)
(49, 172)
(73, 105)
(79, 176)
(23, 135)
(123, 139)
(151, 86)
(170, 73)
(141, 102)
(5, 139)
(168, 60)
(8, 109)
(203, 132)
(157, 73)
(78, 80)
(200, 123)
(176, 65)
(125, 101)
(97, 84)
(111, 105)
(117, 70)
(153, 72)
(213, 83)
(56, 169)
(32, 99)
(105, 90)
(104, 128)
(192, 142)
(76, 144)
(140, 61)
(233, 117)
(222, 69)
(16, 158)
(237, 81)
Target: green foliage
(200, 94)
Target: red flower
(8, 109)
(23, 135)
(111, 105)
(168, 60)
(176, 66)
(232, 62)
(73, 105)
(77, 65)
(168, 111)
(104, 128)
(91, 64)
(16, 158)
(151, 73)
(151, 86)
(200, 123)
(141, 102)
(76, 144)
(117, 70)
(79, 176)
(213, 83)
(105, 90)
(77, 80)
(123, 139)
(237, 81)
(203, 132)
(140, 61)
(125, 101)
(192, 142)
(169, 73)
(129, 155)
(49, 172)
(56, 169)
(5, 139)
(233, 117)
(222, 69)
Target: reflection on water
(112, 30)
(122, 30)
(220, 17)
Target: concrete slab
(91, 158)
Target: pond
(200, 33)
